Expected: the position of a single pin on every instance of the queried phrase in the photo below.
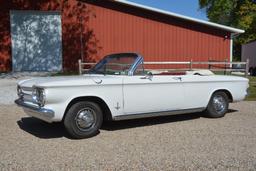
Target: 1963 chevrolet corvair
(119, 88)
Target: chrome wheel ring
(219, 103)
(85, 119)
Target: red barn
(51, 35)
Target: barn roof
(211, 24)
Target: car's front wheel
(83, 119)
(218, 105)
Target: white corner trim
(231, 48)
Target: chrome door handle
(177, 78)
(146, 77)
(149, 76)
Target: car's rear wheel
(218, 105)
(83, 119)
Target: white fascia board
(223, 27)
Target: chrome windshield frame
(138, 60)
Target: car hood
(60, 81)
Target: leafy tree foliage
(236, 13)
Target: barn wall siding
(156, 37)
(108, 27)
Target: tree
(235, 13)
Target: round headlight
(34, 94)
(38, 95)
(41, 96)
(19, 92)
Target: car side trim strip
(155, 114)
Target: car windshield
(117, 64)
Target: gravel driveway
(8, 83)
(184, 142)
(8, 91)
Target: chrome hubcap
(85, 119)
(219, 104)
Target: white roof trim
(223, 27)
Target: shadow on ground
(42, 129)
(126, 124)
(45, 130)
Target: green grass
(252, 89)
(252, 79)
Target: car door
(152, 94)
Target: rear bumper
(37, 112)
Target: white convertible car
(118, 88)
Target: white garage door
(36, 41)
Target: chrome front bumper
(37, 112)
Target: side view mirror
(148, 76)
